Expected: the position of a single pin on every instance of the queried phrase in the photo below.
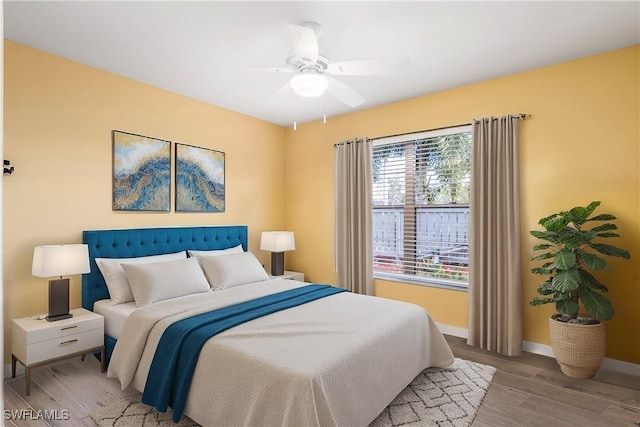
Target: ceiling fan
(313, 72)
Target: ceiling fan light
(309, 85)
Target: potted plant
(569, 254)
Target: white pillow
(159, 281)
(227, 271)
(235, 250)
(116, 280)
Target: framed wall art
(141, 173)
(199, 179)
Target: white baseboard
(536, 348)
(608, 364)
(452, 330)
(620, 366)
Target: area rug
(133, 413)
(437, 397)
(448, 397)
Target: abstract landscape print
(141, 173)
(199, 179)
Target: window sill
(429, 282)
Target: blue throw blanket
(175, 359)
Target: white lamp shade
(277, 241)
(309, 84)
(60, 260)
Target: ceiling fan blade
(280, 96)
(344, 93)
(305, 43)
(364, 67)
(273, 69)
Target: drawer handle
(68, 327)
(69, 342)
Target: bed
(338, 360)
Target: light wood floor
(528, 390)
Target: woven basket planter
(579, 349)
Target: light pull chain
(324, 108)
(324, 111)
(295, 125)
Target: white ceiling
(207, 50)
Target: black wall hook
(10, 170)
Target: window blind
(421, 199)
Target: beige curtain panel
(495, 300)
(353, 191)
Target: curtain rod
(351, 141)
(520, 116)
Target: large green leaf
(602, 217)
(591, 281)
(545, 235)
(604, 227)
(565, 259)
(546, 255)
(572, 239)
(566, 281)
(605, 249)
(542, 246)
(592, 261)
(546, 288)
(575, 215)
(546, 269)
(555, 224)
(568, 307)
(579, 214)
(608, 234)
(547, 218)
(596, 304)
(592, 207)
(540, 301)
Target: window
(421, 193)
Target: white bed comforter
(336, 361)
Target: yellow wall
(58, 117)
(582, 144)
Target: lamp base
(58, 300)
(58, 317)
(277, 263)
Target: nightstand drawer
(61, 346)
(73, 326)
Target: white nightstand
(36, 343)
(290, 275)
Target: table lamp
(59, 260)
(277, 242)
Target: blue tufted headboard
(127, 243)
